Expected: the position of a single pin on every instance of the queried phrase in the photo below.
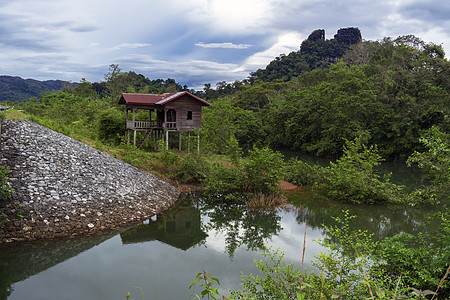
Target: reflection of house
(180, 112)
(181, 229)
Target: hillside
(315, 53)
(14, 88)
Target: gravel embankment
(64, 187)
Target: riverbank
(66, 188)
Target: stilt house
(168, 112)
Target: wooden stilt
(128, 131)
(134, 124)
(198, 142)
(167, 139)
(189, 139)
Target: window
(189, 115)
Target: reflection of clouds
(290, 240)
(216, 241)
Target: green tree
(115, 82)
(435, 163)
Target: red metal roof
(153, 99)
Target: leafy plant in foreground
(349, 269)
(421, 260)
(207, 287)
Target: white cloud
(236, 16)
(223, 45)
(285, 44)
(128, 46)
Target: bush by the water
(353, 177)
(256, 175)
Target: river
(163, 255)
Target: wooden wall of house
(182, 105)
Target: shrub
(421, 260)
(302, 173)
(257, 175)
(191, 168)
(353, 178)
(263, 170)
(111, 126)
(226, 183)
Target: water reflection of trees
(182, 226)
(242, 226)
(380, 220)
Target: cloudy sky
(192, 41)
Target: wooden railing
(171, 125)
(141, 124)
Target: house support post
(189, 139)
(198, 142)
(134, 124)
(167, 139)
(128, 131)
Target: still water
(163, 255)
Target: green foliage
(15, 88)
(5, 189)
(111, 125)
(226, 183)
(343, 265)
(315, 52)
(435, 163)
(342, 270)
(223, 122)
(302, 173)
(278, 279)
(190, 168)
(258, 174)
(355, 267)
(353, 177)
(207, 287)
(13, 114)
(263, 170)
(421, 260)
(389, 92)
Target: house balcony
(141, 125)
(170, 125)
